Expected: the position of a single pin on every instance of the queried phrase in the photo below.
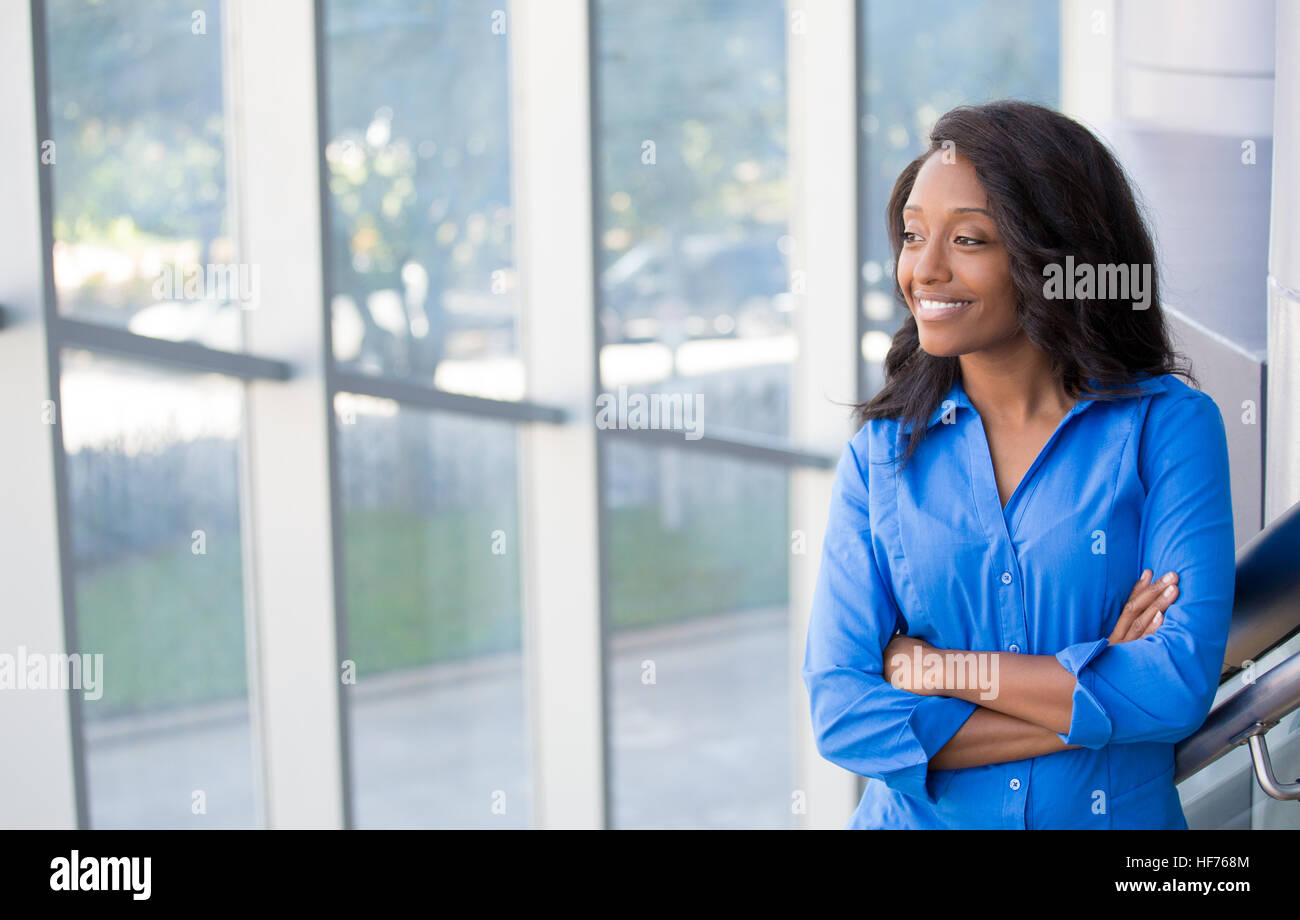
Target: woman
(1029, 458)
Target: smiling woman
(1051, 457)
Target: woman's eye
(909, 236)
(969, 241)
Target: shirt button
(1014, 648)
(1015, 783)
(1006, 578)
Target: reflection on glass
(422, 271)
(698, 654)
(138, 170)
(921, 59)
(431, 550)
(154, 508)
(694, 252)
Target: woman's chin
(937, 347)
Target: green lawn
(727, 558)
(424, 589)
(170, 626)
(419, 589)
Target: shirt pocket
(1151, 805)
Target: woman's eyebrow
(917, 207)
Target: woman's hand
(903, 667)
(1146, 606)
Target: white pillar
(37, 773)
(551, 174)
(290, 586)
(824, 224)
(1200, 66)
(1282, 441)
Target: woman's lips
(933, 310)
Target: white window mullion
(296, 687)
(551, 174)
(1088, 60)
(37, 776)
(824, 224)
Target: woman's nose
(933, 264)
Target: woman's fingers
(1144, 601)
(1159, 601)
(1130, 612)
(1151, 618)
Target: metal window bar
(70, 333)
(751, 447)
(186, 355)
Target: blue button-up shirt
(1122, 485)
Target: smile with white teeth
(938, 309)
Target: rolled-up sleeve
(861, 722)
(1161, 687)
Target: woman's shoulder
(1164, 400)
(1180, 420)
(1171, 396)
(872, 430)
(875, 445)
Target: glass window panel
(434, 624)
(421, 258)
(152, 460)
(142, 235)
(693, 203)
(1266, 812)
(922, 58)
(698, 648)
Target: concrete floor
(707, 745)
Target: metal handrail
(1266, 612)
(1266, 603)
(1244, 718)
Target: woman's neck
(1014, 389)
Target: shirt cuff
(1090, 727)
(931, 724)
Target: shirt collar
(956, 397)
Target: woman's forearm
(994, 737)
(1034, 688)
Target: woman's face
(953, 269)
